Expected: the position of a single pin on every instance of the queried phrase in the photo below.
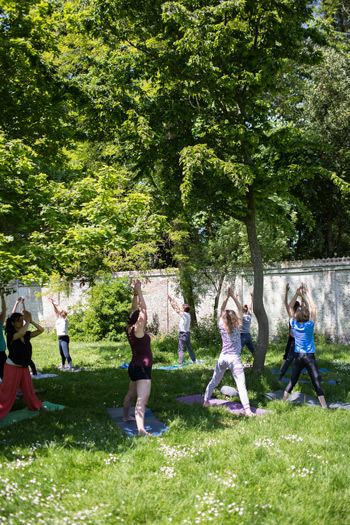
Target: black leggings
(309, 362)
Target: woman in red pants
(16, 371)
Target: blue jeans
(246, 339)
(185, 341)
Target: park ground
(76, 466)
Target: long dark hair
(131, 320)
(9, 328)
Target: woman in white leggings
(230, 357)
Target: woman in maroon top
(141, 363)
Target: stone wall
(327, 279)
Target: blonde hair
(230, 320)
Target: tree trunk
(187, 292)
(258, 304)
(217, 295)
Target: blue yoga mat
(152, 424)
(171, 367)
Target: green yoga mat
(24, 413)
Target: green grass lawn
(76, 466)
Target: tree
(77, 228)
(202, 77)
(34, 99)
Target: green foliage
(34, 100)
(104, 314)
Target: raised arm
(55, 306)
(39, 329)
(238, 304)
(141, 322)
(286, 298)
(22, 331)
(17, 303)
(3, 308)
(250, 309)
(312, 305)
(293, 301)
(175, 305)
(223, 306)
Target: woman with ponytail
(140, 366)
(230, 326)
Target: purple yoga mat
(234, 408)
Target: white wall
(327, 279)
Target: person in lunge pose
(141, 363)
(3, 355)
(229, 325)
(184, 330)
(63, 337)
(302, 323)
(16, 371)
(289, 351)
(246, 338)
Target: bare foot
(206, 403)
(144, 433)
(129, 418)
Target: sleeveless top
(141, 349)
(20, 353)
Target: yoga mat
(171, 367)
(152, 424)
(300, 398)
(42, 376)
(234, 408)
(24, 413)
(304, 371)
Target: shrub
(103, 315)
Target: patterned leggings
(234, 363)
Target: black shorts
(137, 373)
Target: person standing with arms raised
(230, 357)
(140, 367)
(184, 330)
(303, 322)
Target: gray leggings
(232, 362)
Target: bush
(207, 333)
(104, 314)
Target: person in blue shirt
(302, 322)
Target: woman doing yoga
(230, 357)
(141, 363)
(16, 371)
(302, 323)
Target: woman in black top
(16, 371)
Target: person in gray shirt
(247, 314)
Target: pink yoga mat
(234, 408)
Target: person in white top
(63, 337)
(184, 330)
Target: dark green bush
(104, 314)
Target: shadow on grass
(86, 425)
